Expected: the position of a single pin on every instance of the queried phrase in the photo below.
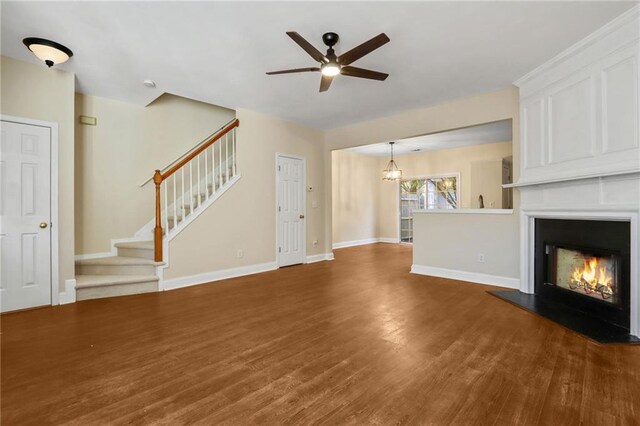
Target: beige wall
(244, 217)
(484, 108)
(36, 92)
(122, 151)
(486, 181)
(356, 195)
(453, 241)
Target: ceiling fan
(332, 65)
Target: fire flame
(593, 278)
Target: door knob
(43, 225)
(301, 216)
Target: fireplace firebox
(585, 266)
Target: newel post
(157, 231)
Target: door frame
(304, 203)
(55, 259)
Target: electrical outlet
(239, 254)
(315, 243)
(480, 257)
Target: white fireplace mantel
(579, 135)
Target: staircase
(185, 188)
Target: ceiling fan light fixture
(50, 52)
(331, 69)
(392, 172)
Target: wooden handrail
(235, 123)
(159, 177)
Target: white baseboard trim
(224, 274)
(474, 277)
(319, 257)
(364, 242)
(69, 293)
(389, 240)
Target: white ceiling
(500, 131)
(219, 52)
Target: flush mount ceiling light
(149, 83)
(392, 172)
(50, 52)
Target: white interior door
(291, 226)
(25, 216)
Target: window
(438, 192)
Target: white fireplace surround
(540, 201)
(580, 152)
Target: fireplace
(584, 265)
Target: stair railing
(201, 157)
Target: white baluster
(226, 155)
(233, 150)
(184, 211)
(198, 196)
(191, 200)
(206, 174)
(213, 169)
(166, 207)
(175, 204)
(220, 162)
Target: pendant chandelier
(392, 172)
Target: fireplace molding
(527, 248)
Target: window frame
(424, 177)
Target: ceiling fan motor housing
(330, 39)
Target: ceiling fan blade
(291, 71)
(325, 82)
(308, 47)
(363, 73)
(364, 49)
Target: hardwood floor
(358, 340)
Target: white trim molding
(571, 52)
(223, 274)
(319, 257)
(474, 277)
(69, 293)
(389, 240)
(366, 241)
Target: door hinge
(279, 249)
(279, 168)
(279, 209)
